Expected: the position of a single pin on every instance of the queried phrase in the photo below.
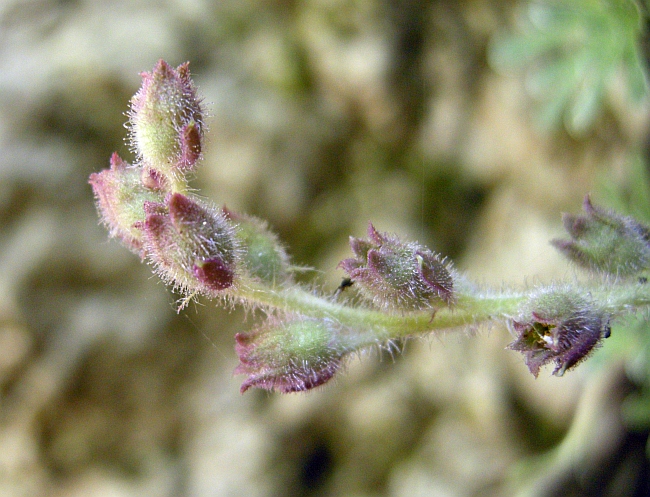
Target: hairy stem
(469, 310)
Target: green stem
(377, 325)
(622, 298)
(383, 325)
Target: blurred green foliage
(574, 53)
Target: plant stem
(469, 309)
(385, 325)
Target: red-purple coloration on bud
(120, 196)
(192, 244)
(559, 326)
(289, 354)
(396, 275)
(606, 242)
(166, 120)
(190, 145)
(214, 273)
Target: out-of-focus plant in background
(576, 57)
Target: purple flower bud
(290, 354)
(606, 242)
(396, 275)
(192, 244)
(560, 326)
(120, 197)
(166, 120)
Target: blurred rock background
(325, 114)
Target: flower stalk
(469, 309)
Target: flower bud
(120, 196)
(166, 120)
(292, 354)
(262, 255)
(606, 242)
(192, 244)
(397, 275)
(560, 326)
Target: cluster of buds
(195, 246)
(558, 325)
(397, 275)
(199, 248)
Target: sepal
(561, 326)
(396, 275)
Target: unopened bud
(192, 244)
(396, 275)
(291, 354)
(166, 120)
(262, 254)
(120, 196)
(606, 242)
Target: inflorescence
(405, 289)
